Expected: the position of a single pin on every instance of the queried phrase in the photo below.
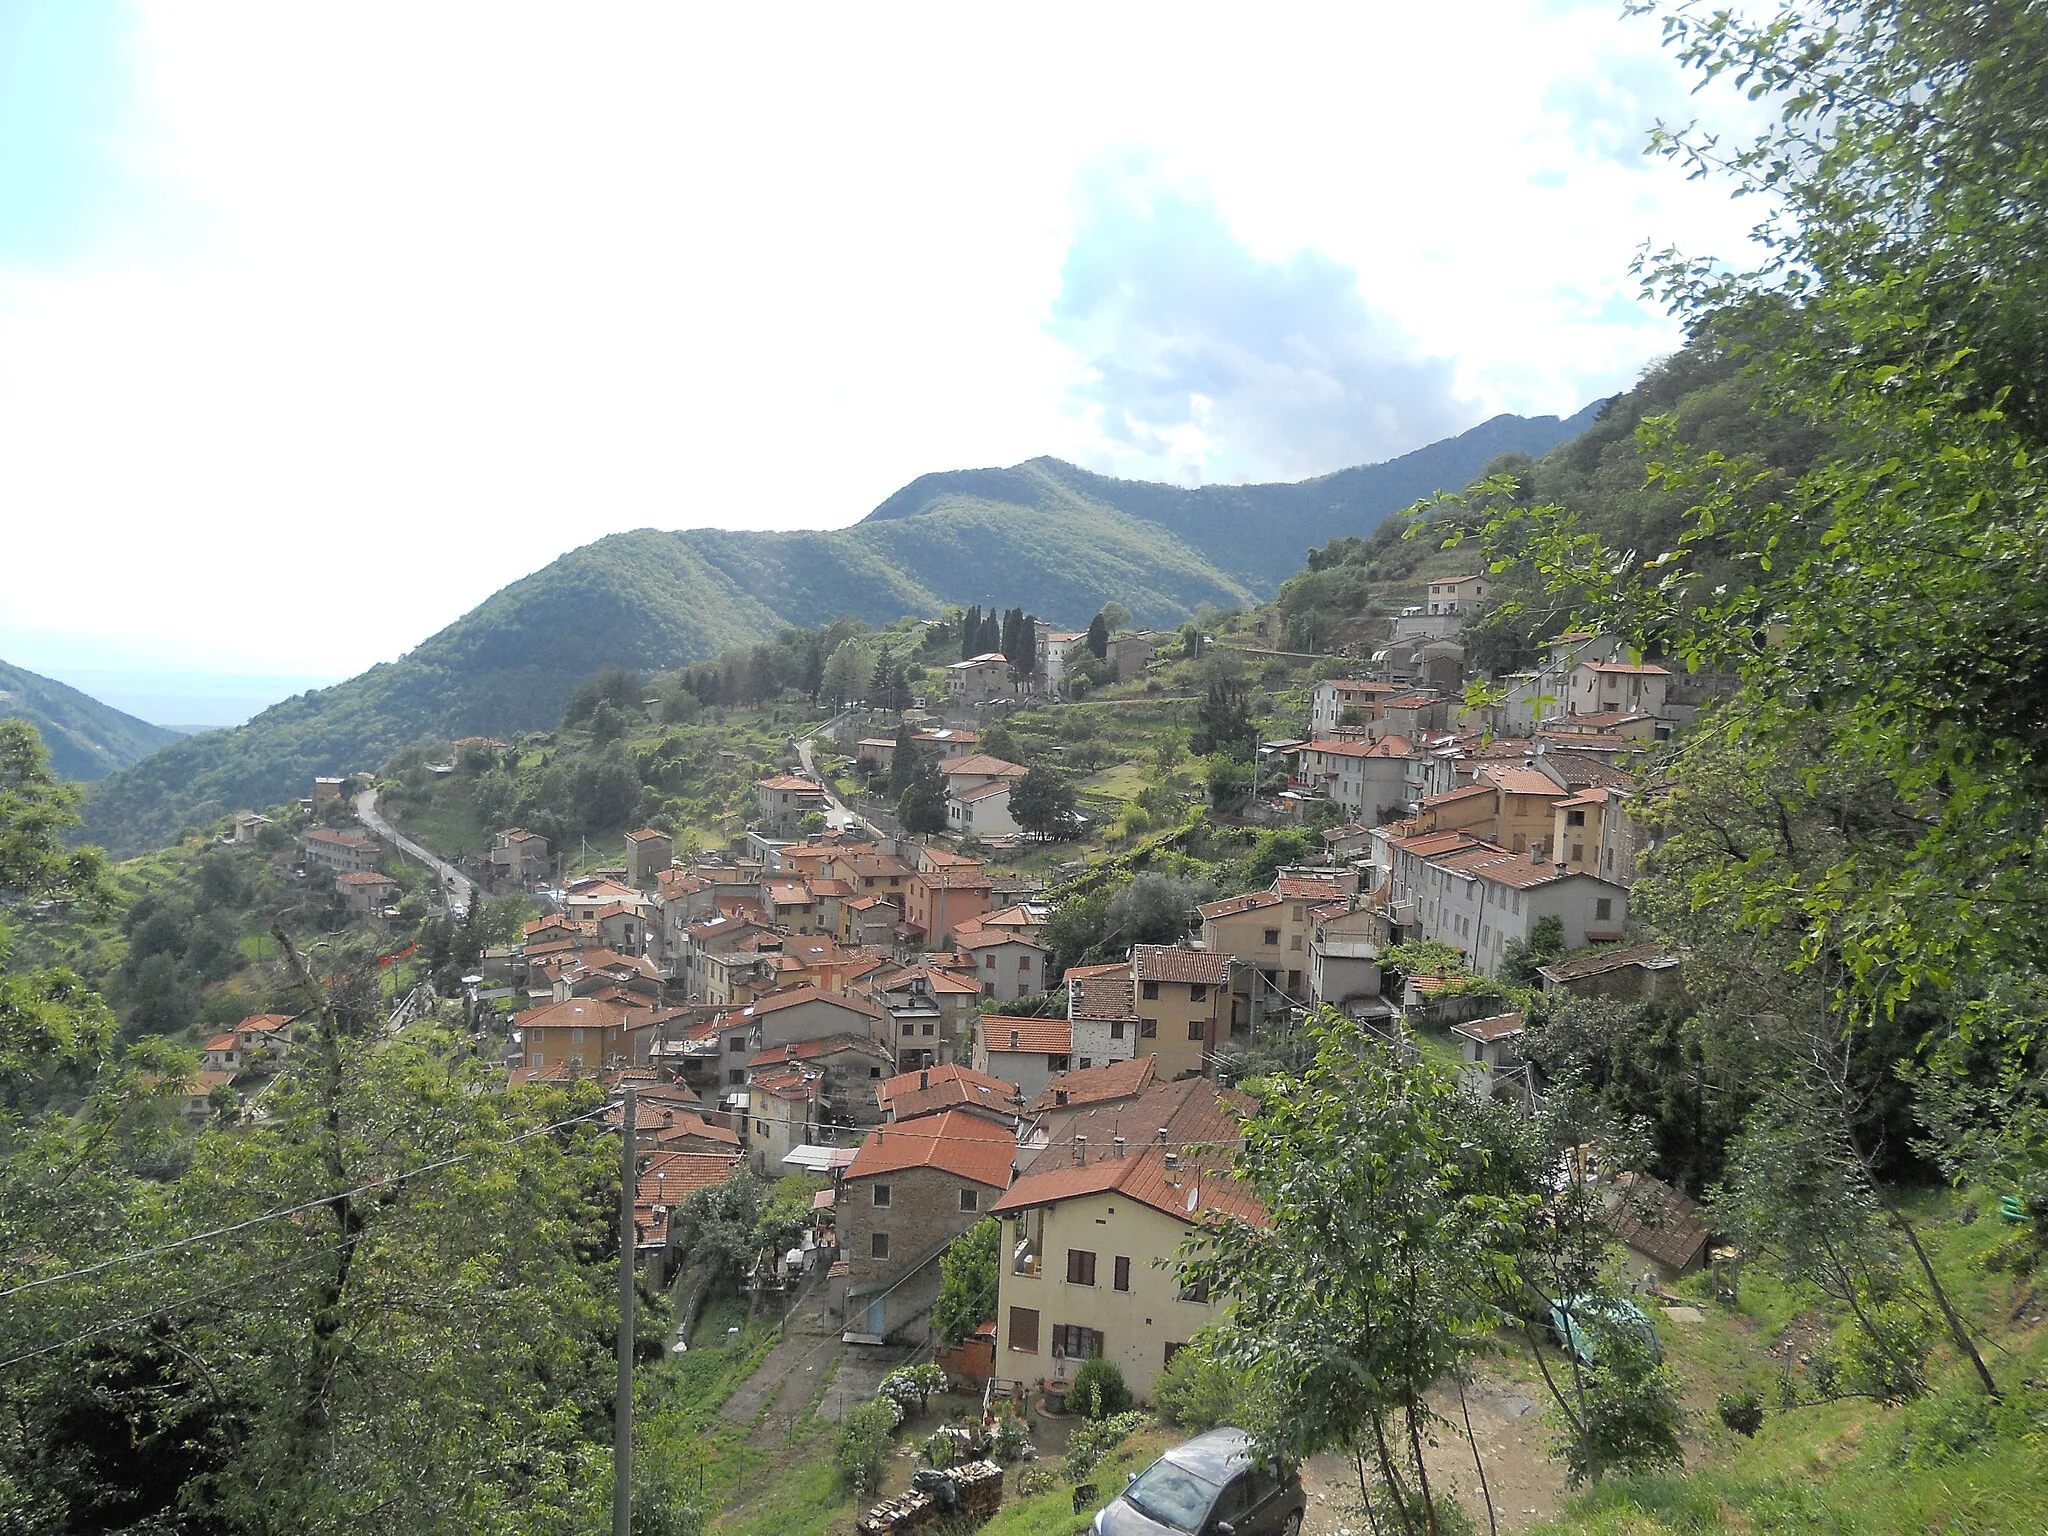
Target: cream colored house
(1092, 1233)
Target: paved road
(453, 881)
(837, 816)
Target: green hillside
(1056, 539)
(87, 739)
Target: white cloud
(423, 295)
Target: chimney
(1172, 1161)
(1162, 1135)
(924, 1078)
(1080, 1151)
(1013, 1039)
(1117, 1148)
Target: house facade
(1092, 1233)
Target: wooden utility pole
(622, 1409)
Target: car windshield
(1172, 1495)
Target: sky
(320, 324)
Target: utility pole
(622, 1409)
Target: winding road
(454, 884)
(837, 816)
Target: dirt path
(1513, 1442)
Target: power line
(239, 1284)
(291, 1210)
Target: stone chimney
(1117, 1148)
(924, 1078)
(1080, 1151)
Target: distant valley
(87, 739)
(1056, 539)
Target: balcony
(1027, 1261)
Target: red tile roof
(1193, 1112)
(954, 1142)
(1486, 1031)
(796, 996)
(1231, 906)
(981, 763)
(944, 1088)
(791, 781)
(1177, 962)
(1016, 1032)
(671, 1177)
(1097, 1085)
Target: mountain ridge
(87, 739)
(1049, 536)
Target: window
(1116, 1029)
(930, 1030)
(1575, 818)
(575, 1037)
(878, 1245)
(970, 1199)
(1086, 1063)
(874, 1071)
(1080, 1267)
(1294, 980)
(988, 989)
(1076, 1343)
(1148, 1029)
(1603, 909)
(1578, 853)
(881, 1194)
(1123, 1273)
(1194, 1290)
(1055, 1063)
(988, 962)
(1196, 1027)
(735, 1045)
(1272, 936)
(1199, 992)
(736, 1077)
(1173, 1349)
(1024, 1329)
(760, 1127)
(1295, 942)
(1023, 964)
(1151, 991)
(909, 1030)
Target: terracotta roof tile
(1096, 1085)
(1017, 1032)
(1177, 962)
(955, 1142)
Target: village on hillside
(833, 996)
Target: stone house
(908, 1193)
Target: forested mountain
(87, 739)
(1056, 539)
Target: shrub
(1741, 1412)
(912, 1384)
(1011, 1436)
(862, 1449)
(1094, 1440)
(1197, 1392)
(1099, 1389)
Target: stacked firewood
(974, 1490)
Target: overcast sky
(320, 323)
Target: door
(1231, 1514)
(877, 1323)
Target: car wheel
(1291, 1526)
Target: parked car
(1577, 1322)
(1214, 1485)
